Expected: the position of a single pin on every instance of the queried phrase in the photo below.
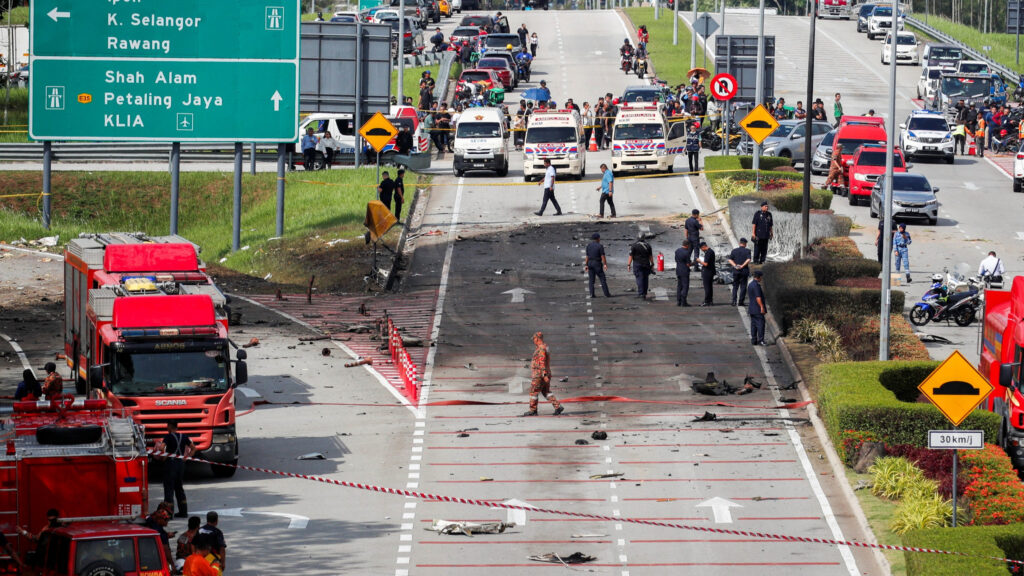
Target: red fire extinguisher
(661, 262)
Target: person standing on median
(763, 230)
(548, 182)
(758, 308)
(740, 260)
(386, 189)
(683, 256)
(607, 189)
(540, 371)
(399, 194)
(596, 263)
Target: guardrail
(1009, 74)
(132, 152)
(441, 87)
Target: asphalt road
(976, 195)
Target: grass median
(671, 63)
(1004, 46)
(15, 128)
(320, 207)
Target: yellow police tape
(501, 184)
(20, 195)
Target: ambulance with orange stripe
(555, 135)
(644, 140)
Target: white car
(972, 67)
(1018, 170)
(456, 6)
(906, 48)
(928, 83)
(381, 15)
(926, 133)
(880, 21)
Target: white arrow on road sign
(517, 294)
(517, 516)
(720, 507)
(277, 101)
(55, 14)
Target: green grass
(1004, 46)
(18, 17)
(879, 513)
(333, 207)
(411, 80)
(16, 128)
(671, 63)
(995, 541)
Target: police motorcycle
(950, 297)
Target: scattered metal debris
(609, 475)
(469, 528)
(552, 558)
(359, 362)
(707, 417)
(599, 435)
(579, 442)
(312, 456)
(253, 342)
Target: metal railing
(131, 152)
(1009, 74)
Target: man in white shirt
(549, 189)
(992, 267)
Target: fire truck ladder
(123, 441)
(9, 497)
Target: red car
(500, 66)
(867, 166)
(488, 77)
(853, 136)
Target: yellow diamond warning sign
(956, 388)
(759, 123)
(378, 131)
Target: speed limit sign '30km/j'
(724, 86)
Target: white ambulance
(556, 135)
(644, 140)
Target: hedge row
(738, 168)
(993, 541)
(866, 396)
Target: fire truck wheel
(102, 568)
(68, 435)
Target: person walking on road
(177, 446)
(607, 189)
(533, 44)
(960, 138)
(693, 148)
(757, 309)
(707, 273)
(549, 189)
(694, 227)
(540, 374)
(596, 263)
(683, 256)
(641, 261)
(837, 109)
(740, 260)
(523, 34)
(901, 244)
(763, 230)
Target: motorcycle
(1018, 92)
(641, 67)
(1005, 141)
(626, 64)
(523, 68)
(945, 300)
(709, 140)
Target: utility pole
(675, 22)
(401, 51)
(886, 237)
(693, 37)
(805, 209)
(759, 89)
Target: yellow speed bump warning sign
(759, 123)
(378, 131)
(956, 388)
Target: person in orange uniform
(53, 385)
(540, 382)
(196, 564)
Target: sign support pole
(805, 208)
(675, 22)
(252, 158)
(282, 151)
(725, 142)
(401, 52)
(175, 180)
(886, 237)
(47, 157)
(358, 117)
(759, 95)
(378, 174)
(236, 217)
(1017, 32)
(955, 458)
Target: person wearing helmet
(509, 47)
(544, 94)
(626, 50)
(693, 147)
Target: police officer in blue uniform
(757, 309)
(707, 273)
(740, 260)
(694, 227)
(762, 232)
(683, 256)
(641, 261)
(596, 264)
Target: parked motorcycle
(709, 140)
(942, 301)
(1005, 141)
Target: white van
(555, 135)
(481, 142)
(644, 140)
(342, 128)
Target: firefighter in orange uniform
(540, 382)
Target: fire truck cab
(1002, 353)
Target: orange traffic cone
(972, 150)
(593, 142)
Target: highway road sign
(378, 131)
(168, 72)
(956, 439)
(759, 123)
(955, 387)
(724, 86)
(705, 25)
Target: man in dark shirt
(175, 444)
(399, 193)
(158, 521)
(707, 273)
(386, 189)
(740, 260)
(763, 229)
(403, 141)
(216, 538)
(758, 308)
(694, 226)
(879, 240)
(683, 256)
(596, 263)
(641, 261)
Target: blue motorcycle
(937, 304)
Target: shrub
(850, 442)
(852, 396)
(826, 272)
(793, 200)
(868, 283)
(836, 247)
(920, 511)
(894, 478)
(767, 162)
(727, 187)
(936, 464)
(994, 541)
(994, 493)
(826, 340)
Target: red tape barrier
(407, 370)
(490, 504)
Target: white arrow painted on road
(55, 14)
(518, 294)
(970, 186)
(517, 516)
(295, 521)
(277, 101)
(1020, 235)
(660, 294)
(720, 507)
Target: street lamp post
(759, 90)
(886, 237)
(805, 212)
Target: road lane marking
(17, 350)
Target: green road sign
(168, 101)
(367, 4)
(152, 70)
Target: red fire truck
(76, 455)
(1001, 355)
(147, 330)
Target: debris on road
(325, 352)
(610, 475)
(579, 442)
(707, 417)
(312, 456)
(563, 379)
(932, 338)
(552, 558)
(791, 386)
(599, 435)
(253, 342)
(486, 479)
(359, 362)
(359, 329)
(469, 366)
(314, 338)
(469, 528)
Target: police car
(926, 133)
